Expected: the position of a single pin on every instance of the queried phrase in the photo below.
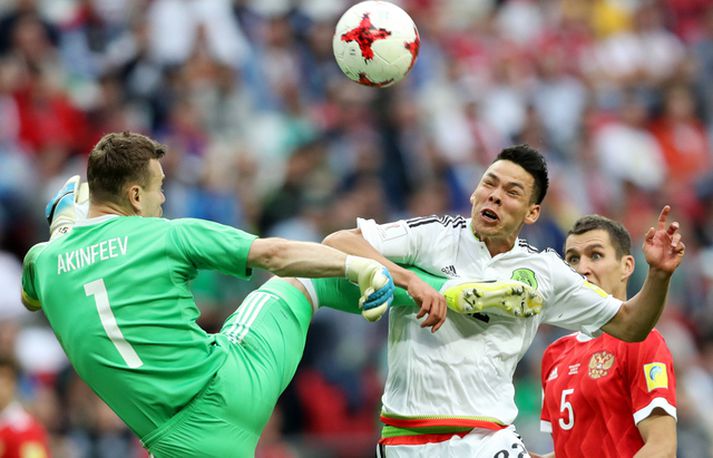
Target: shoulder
(553, 258)
(527, 247)
(190, 222)
(561, 343)
(191, 230)
(555, 350)
(547, 262)
(34, 252)
(654, 339)
(549, 255)
(655, 336)
(187, 224)
(436, 224)
(555, 264)
(456, 221)
(422, 226)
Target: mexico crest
(600, 363)
(526, 276)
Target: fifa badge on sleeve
(656, 376)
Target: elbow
(632, 333)
(665, 449)
(634, 337)
(340, 238)
(627, 327)
(272, 255)
(30, 304)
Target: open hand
(663, 247)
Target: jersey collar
(95, 220)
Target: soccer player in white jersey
(450, 393)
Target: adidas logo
(450, 271)
(553, 374)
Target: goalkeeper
(115, 289)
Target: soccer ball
(375, 43)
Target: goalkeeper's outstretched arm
(507, 297)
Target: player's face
(502, 201)
(152, 197)
(593, 255)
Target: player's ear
(134, 195)
(533, 214)
(627, 267)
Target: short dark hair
(618, 235)
(533, 162)
(117, 159)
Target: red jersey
(21, 436)
(595, 391)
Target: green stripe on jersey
(393, 431)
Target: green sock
(341, 294)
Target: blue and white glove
(67, 206)
(375, 284)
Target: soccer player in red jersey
(605, 397)
(21, 436)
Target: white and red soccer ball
(375, 43)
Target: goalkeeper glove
(67, 206)
(375, 284)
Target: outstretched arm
(664, 251)
(289, 258)
(429, 300)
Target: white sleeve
(576, 304)
(395, 241)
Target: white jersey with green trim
(464, 371)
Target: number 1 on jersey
(97, 289)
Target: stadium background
(267, 135)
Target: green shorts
(265, 339)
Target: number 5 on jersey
(97, 289)
(565, 405)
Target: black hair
(533, 162)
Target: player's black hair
(118, 159)
(533, 162)
(618, 235)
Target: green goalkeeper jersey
(116, 292)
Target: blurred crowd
(266, 134)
